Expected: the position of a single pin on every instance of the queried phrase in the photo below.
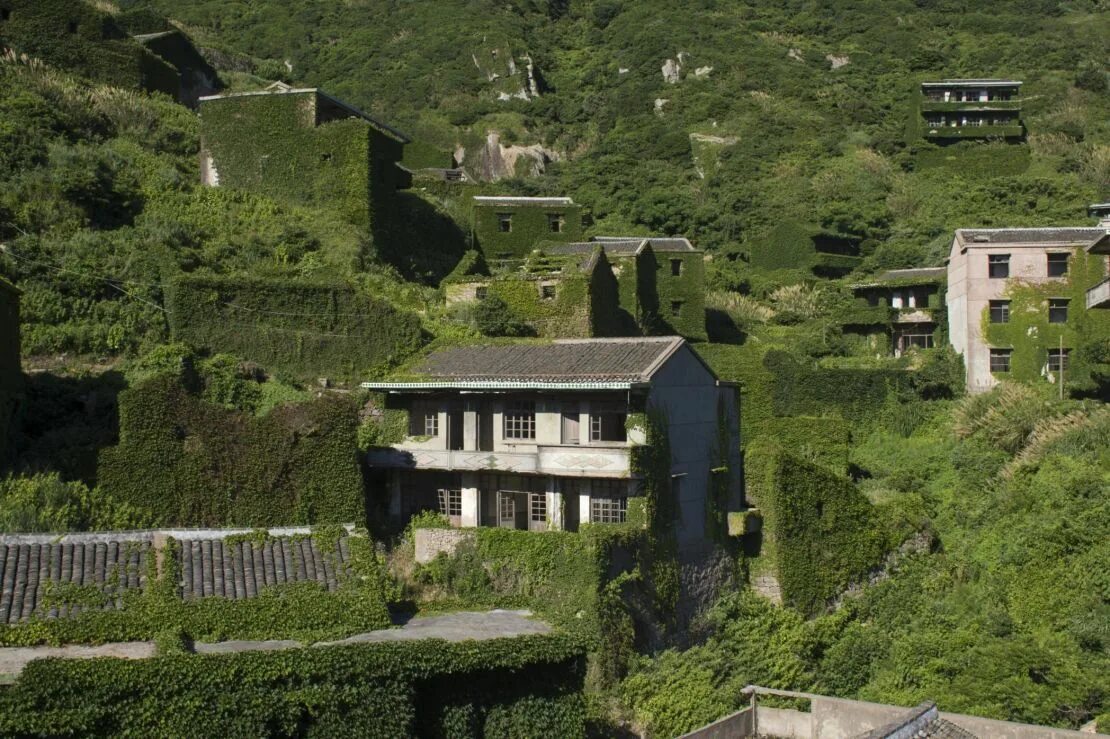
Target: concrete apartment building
(549, 436)
(1018, 298)
(971, 109)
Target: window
(481, 292)
(555, 222)
(325, 157)
(1057, 310)
(608, 510)
(1000, 360)
(998, 266)
(520, 420)
(1058, 360)
(505, 222)
(676, 307)
(676, 267)
(423, 421)
(537, 507)
(450, 502)
(547, 292)
(5, 14)
(1057, 264)
(607, 422)
(1000, 311)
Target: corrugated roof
(1028, 236)
(623, 360)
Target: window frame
(549, 291)
(605, 510)
(1000, 353)
(505, 223)
(1053, 259)
(556, 223)
(1054, 357)
(1003, 308)
(449, 502)
(998, 260)
(1058, 311)
(424, 420)
(677, 267)
(537, 507)
(598, 414)
(518, 421)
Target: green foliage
(44, 503)
(306, 329)
(11, 378)
(529, 226)
(189, 461)
(493, 317)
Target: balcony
(561, 461)
(975, 132)
(1099, 295)
(954, 106)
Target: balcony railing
(1099, 295)
(562, 461)
(952, 106)
(974, 132)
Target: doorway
(485, 427)
(455, 431)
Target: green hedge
(302, 328)
(193, 463)
(77, 37)
(824, 441)
(820, 531)
(11, 377)
(803, 389)
(524, 686)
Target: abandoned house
(550, 436)
(1018, 297)
(971, 109)
(907, 303)
(303, 146)
(507, 228)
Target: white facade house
(544, 436)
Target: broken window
(1058, 360)
(676, 267)
(607, 421)
(505, 222)
(1058, 310)
(555, 222)
(450, 502)
(520, 420)
(1000, 311)
(547, 292)
(1057, 264)
(1000, 360)
(998, 266)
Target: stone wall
(432, 542)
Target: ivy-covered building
(11, 376)
(554, 435)
(972, 109)
(507, 228)
(901, 309)
(1018, 304)
(304, 146)
(79, 37)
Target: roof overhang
(1101, 245)
(499, 385)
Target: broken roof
(922, 722)
(568, 364)
(915, 276)
(286, 90)
(1052, 235)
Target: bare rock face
(671, 72)
(496, 161)
(659, 103)
(702, 72)
(796, 54)
(836, 62)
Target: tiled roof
(36, 570)
(658, 243)
(513, 200)
(920, 273)
(626, 247)
(921, 722)
(1068, 236)
(629, 360)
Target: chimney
(1101, 211)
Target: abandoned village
(574, 484)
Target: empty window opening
(520, 420)
(423, 422)
(547, 292)
(1057, 310)
(607, 423)
(5, 14)
(72, 27)
(1057, 264)
(676, 267)
(450, 502)
(1058, 359)
(676, 307)
(481, 292)
(325, 157)
(1000, 360)
(505, 222)
(556, 222)
(1000, 311)
(998, 266)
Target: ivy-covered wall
(530, 226)
(819, 532)
(196, 76)
(11, 377)
(803, 389)
(275, 145)
(302, 328)
(78, 37)
(189, 462)
(523, 686)
(567, 314)
(792, 245)
(671, 304)
(1031, 336)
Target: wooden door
(570, 426)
